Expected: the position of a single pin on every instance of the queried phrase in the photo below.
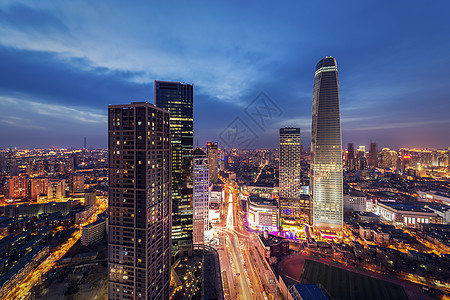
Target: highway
(243, 278)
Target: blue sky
(63, 62)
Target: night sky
(63, 62)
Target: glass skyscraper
(139, 223)
(326, 149)
(177, 98)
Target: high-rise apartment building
(16, 187)
(213, 156)
(139, 244)
(326, 149)
(289, 180)
(56, 189)
(76, 183)
(177, 98)
(36, 187)
(201, 196)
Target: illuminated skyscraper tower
(177, 98)
(289, 182)
(326, 149)
(139, 223)
(201, 196)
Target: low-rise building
(93, 232)
(355, 203)
(407, 214)
(263, 214)
(368, 217)
(272, 245)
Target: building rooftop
(262, 201)
(405, 207)
(368, 214)
(216, 188)
(271, 240)
(310, 292)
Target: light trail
(230, 223)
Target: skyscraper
(213, 156)
(201, 196)
(139, 244)
(289, 180)
(326, 149)
(373, 155)
(350, 157)
(177, 98)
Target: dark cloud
(69, 81)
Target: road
(22, 289)
(243, 278)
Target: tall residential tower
(326, 149)
(139, 244)
(177, 98)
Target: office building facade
(326, 149)
(139, 243)
(177, 98)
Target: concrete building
(34, 210)
(407, 214)
(76, 184)
(56, 189)
(36, 187)
(93, 232)
(139, 222)
(84, 215)
(355, 203)
(16, 187)
(201, 196)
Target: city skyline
(57, 79)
